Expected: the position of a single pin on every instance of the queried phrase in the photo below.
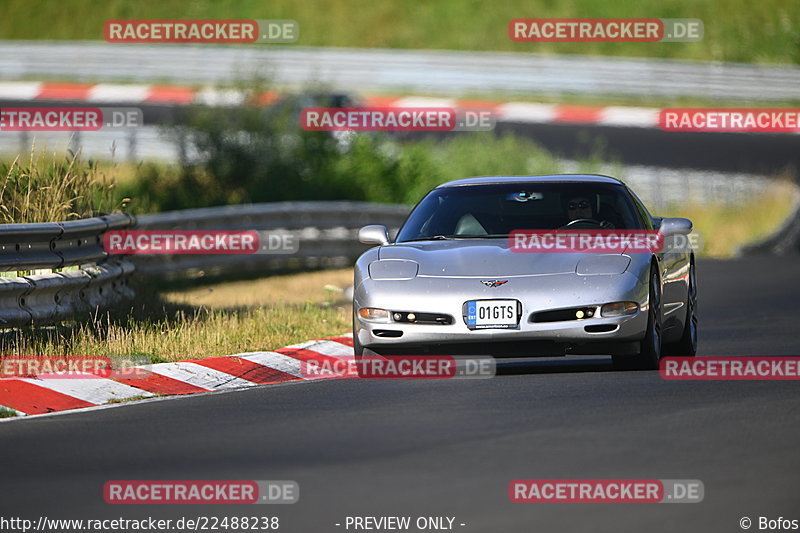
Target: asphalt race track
(450, 448)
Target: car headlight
(374, 314)
(393, 269)
(619, 309)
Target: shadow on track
(550, 365)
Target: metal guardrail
(30, 297)
(437, 72)
(56, 245)
(326, 232)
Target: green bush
(250, 154)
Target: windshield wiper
(498, 236)
(456, 237)
(433, 238)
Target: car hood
(480, 258)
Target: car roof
(553, 178)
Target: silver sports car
(451, 282)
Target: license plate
(500, 314)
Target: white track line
(106, 92)
(524, 112)
(277, 361)
(20, 90)
(93, 390)
(424, 101)
(198, 375)
(218, 97)
(629, 116)
(332, 348)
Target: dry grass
(312, 287)
(230, 318)
(47, 188)
(183, 336)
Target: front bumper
(443, 295)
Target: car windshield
(495, 210)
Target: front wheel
(650, 351)
(687, 345)
(360, 351)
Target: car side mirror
(675, 226)
(373, 234)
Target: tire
(650, 350)
(359, 351)
(687, 345)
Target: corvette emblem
(494, 282)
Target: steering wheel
(590, 221)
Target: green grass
(6, 413)
(735, 30)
